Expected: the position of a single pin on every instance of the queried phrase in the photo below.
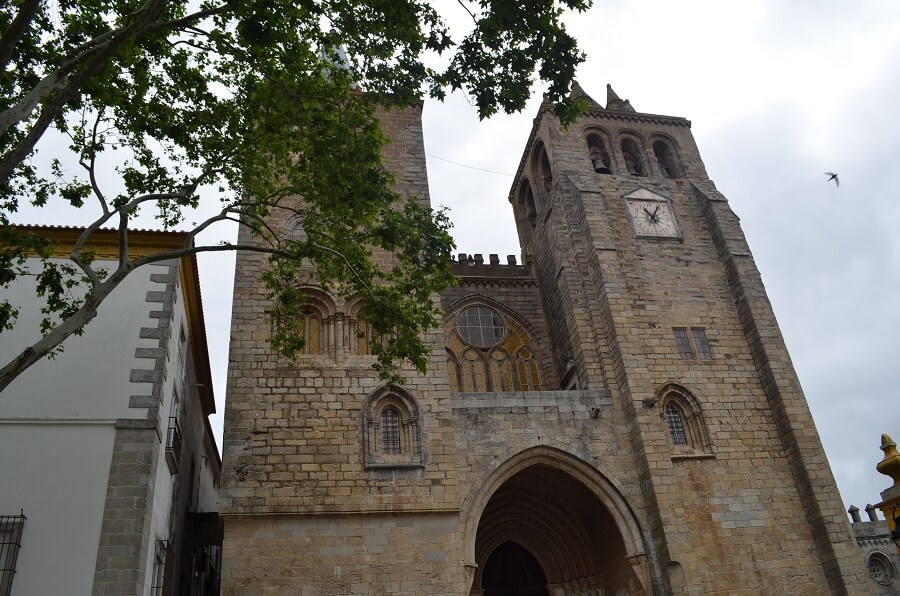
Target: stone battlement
(466, 265)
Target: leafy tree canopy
(253, 99)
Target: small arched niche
(392, 430)
(666, 159)
(631, 155)
(683, 421)
(598, 154)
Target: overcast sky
(778, 93)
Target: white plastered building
(109, 471)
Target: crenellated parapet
(473, 265)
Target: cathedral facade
(614, 414)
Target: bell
(600, 166)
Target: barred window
(699, 336)
(683, 344)
(390, 431)
(163, 566)
(692, 345)
(11, 527)
(675, 422)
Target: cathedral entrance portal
(544, 532)
(513, 571)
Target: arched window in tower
(392, 431)
(631, 153)
(489, 352)
(598, 154)
(363, 337)
(526, 204)
(542, 167)
(312, 322)
(675, 422)
(683, 422)
(665, 159)
(300, 331)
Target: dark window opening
(390, 431)
(598, 154)
(631, 153)
(665, 159)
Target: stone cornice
(497, 281)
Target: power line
(462, 165)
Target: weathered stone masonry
(569, 443)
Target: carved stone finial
(872, 512)
(854, 513)
(890, 464)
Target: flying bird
(833, 176)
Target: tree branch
(62, 85)
(474, 20)
(16, 30)
(91, 166)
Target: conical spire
(614, 102)
(579, 93)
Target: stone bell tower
(654, 296)
(615, 415)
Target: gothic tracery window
(487, 352)
(683, 422)
(392, 430)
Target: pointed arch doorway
(545, 531)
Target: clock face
(652, 218)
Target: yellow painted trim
(105, 243)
